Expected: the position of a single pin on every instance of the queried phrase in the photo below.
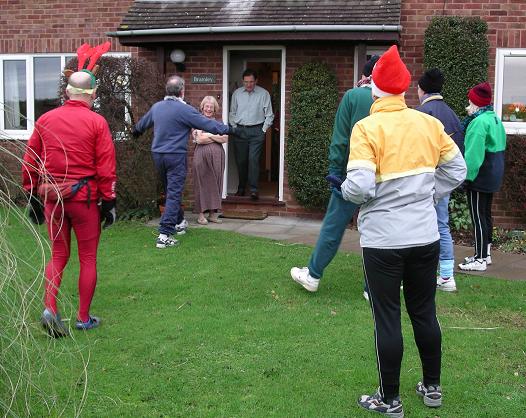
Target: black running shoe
(53, 324)
(374, 403)
(432, 394)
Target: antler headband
(87, 53)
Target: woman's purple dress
(208, 168)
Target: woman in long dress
(208, 167)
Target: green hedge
(314, 100)
(460, 48)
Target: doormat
(244, 214)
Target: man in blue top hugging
(172, 120)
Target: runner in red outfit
(72, 146)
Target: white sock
(489, 249)
(163, 236)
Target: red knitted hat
(390, 75)
(480, 95)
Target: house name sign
(203, 79)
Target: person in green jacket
(485, 142)
(354, 106)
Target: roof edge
(270, 28)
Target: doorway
(268, 62)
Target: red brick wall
(506, 29)
(57, 25)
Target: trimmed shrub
(514, 186)
(313, 104)
(459, 47)
(126, 89)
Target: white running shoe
(447, 285)
(165, 241)
(180, 229)
(472, 258)
(474, 264)
(366, 295)
(302, 276)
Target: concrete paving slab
(306, 231)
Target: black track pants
(385, 270)
(480, 209)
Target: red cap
(480, 95)
(390, 74)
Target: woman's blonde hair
(210, 99)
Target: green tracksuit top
(354, 106)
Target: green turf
(216, 328)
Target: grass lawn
(216, 328)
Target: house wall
(208, 59)
(58, 26)
(506, 29)
(47, 26)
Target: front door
(268, 65)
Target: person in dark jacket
(172, 120)
(432, 103)
(485, 143)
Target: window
(370, 51)
(510, 89)
(28, 88)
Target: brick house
(216, 40)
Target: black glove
(335, 181)
(36, 210)
(107, 212)
(135, 133)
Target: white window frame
(369, 50)
(512, 128)
(30, 87)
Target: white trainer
(180, 229)
(472, 258)
(366, 295)
(447, 285)
(303, 277)
(475, 264)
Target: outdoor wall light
(177, 56)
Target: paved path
(305, 231)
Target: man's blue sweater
(172, 121)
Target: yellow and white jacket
(401, 163)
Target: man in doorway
(251, 113)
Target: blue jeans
(172, 171)
(447, 256)
(339, 214)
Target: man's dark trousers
(384, 270)
(172, 170)
(247, 152)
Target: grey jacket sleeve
(359, 186)
(449, 175)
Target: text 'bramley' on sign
(203, 79)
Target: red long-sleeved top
(70, 143)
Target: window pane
(514, 89)
(47, 78)
(15, 95)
